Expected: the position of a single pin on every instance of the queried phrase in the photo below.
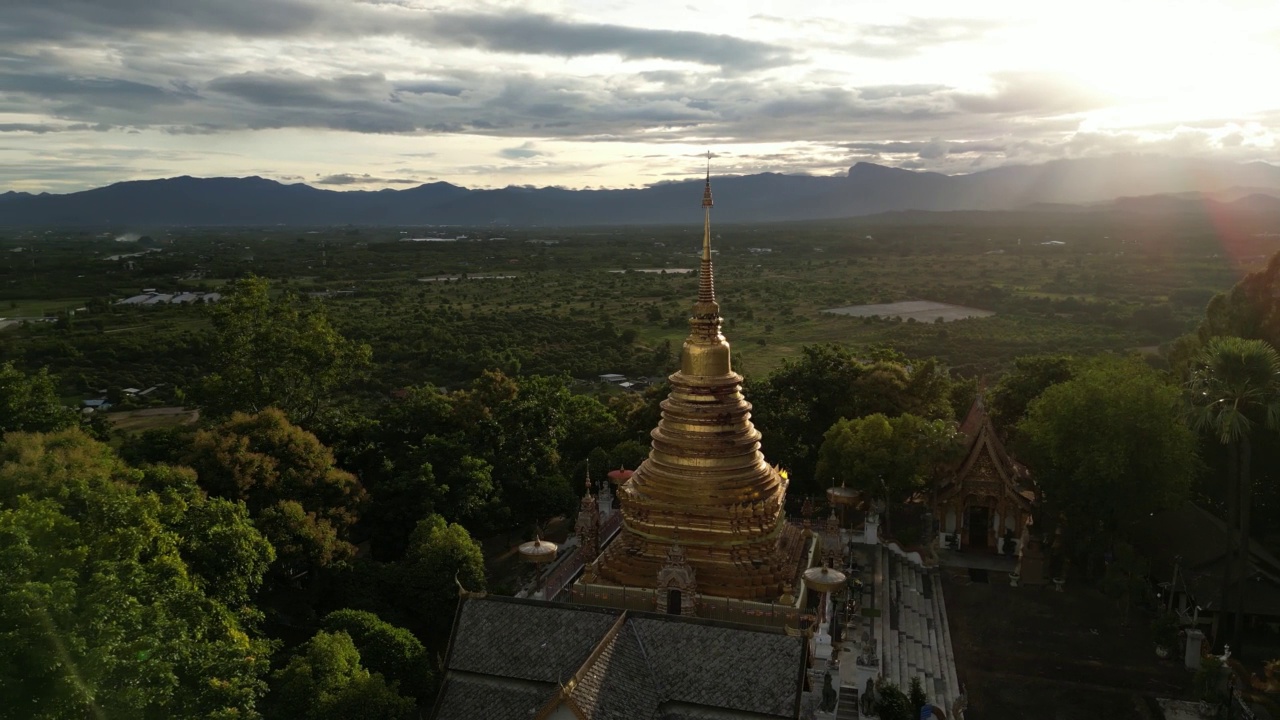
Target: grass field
(151, 418)
(35, 307)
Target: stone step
(946, 651)
(847, 704)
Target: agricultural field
(585, 302)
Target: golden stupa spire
(706, 352)
(706, 283)
(705, 487)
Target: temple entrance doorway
(673, 602)
(979, 520)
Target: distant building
(613, 378)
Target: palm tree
(1235, 387)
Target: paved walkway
(977, 561)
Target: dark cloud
(546, 35)
(362, 179)
(424, 87)
(67, 19)
(517, 32)
(45, 128)
(93, 91)
(523, 152)
(685, 107)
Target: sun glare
(1169, 63)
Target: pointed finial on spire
(706, 282)
(588, 477)
(706, 192)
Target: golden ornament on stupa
(538, 551)
(705, 474)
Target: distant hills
(1121, 182)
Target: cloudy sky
(615, 93)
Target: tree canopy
(288, 480)
(1031, 375)
(795, 406)
(29, 403)
(276, 352)
(384, 648)
(103, 608)
(886, 458)
(1109, 447)
(325, 680)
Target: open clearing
(1031, 652)
(919, 310)
(151, 418)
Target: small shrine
(677, 584)
(587, 527)
(985, 503)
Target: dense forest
(382, 419)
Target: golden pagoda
(705, 492)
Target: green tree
(384, 648)
(224, 550)
(100, 614)
(440, 556)
(277, 352)
(1250, 309)
(1108, 447)
(326, 681)
(1031, 375)
(916, 696)
(1235, 391)
(301, 501)
(796, 406)
(893, 704)
(522, 425)
(886, 458)
(29, 403)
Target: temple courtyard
(1032, 652)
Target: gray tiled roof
(466, 697)
(509, 657)
(724, 667)
(619, 684)
(544, 641)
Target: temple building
(985, 502)
(703, 530)
(689, 595)
(514, 659)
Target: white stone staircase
(913, 625)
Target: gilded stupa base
(763, 571)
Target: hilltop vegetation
(364, 433)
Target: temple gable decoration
(985, 503)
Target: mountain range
(1075, 185)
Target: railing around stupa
(563, 573)
(712, 608)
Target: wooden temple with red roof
(985, 502)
